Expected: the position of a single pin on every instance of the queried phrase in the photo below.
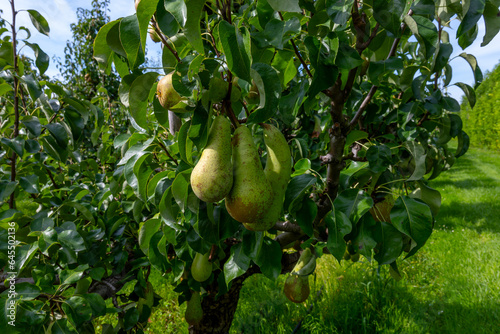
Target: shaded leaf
(39, 22)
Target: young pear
(194, 312)
(166, 93)
(201, 269)
(277, 171)
(212, 177)
(297, 288)
(251, 195)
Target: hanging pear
(212, 177)
(251, 195)
(297, 288)
(194, 312)
(277, 171)
(201, 269)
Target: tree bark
(218, 313)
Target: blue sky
(61, 13)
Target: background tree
(483, 121)
(352, 87)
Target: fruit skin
(278, 169)
(217, 89)
(154, 35)
(166, 93)
(212, 177)
(251, 195)
(381, 211)
(194, 312)
(306, 264)
(297, 288)
(201, 269)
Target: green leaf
(32, 85)
(7, 188)
(71, 239)
(168, 211)
(491, 22)
(418, 153)
(130, 318)
(414, 219)
(237, 264)
(470, 93)
(322, 60)
(166, 20)
(146, 231)
(39, 22)
(178, 10)
(30, 184)
(364, 241)
(339, 11)
(27, 291)
(285, 5)
(455, 125)
(130, 38)
(478, 74)
(138, 97)
(269, 85)
(185, 144)
(296, 190)
(269, 258)
(77, 310)
(198, 131)
(339, 226)
(180, 189)
(59, 133)
(378, 68)
(389, 243)
(379, 157)
(96, 303)
(305, 216)
(62, 326)
(463, 144)
(236, 47)
(279, 32)
(16, 145)
(41, 58)
(388, 13)
(426, 33)
(476, 9)
(354, 203)
(301, 167)
(192, 28)
(5, 88)
(145, 11)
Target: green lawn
(451, 286)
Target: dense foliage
(92, 204)
(483, 121)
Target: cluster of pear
(296, 287)
(231, 169)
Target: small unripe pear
(381, 211)
(166, 93)
(154, 35)
(297, 288)
(253, 96)
(201, 269)
(194, 312)
(217, 89)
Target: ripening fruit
(201, 268)
(277, 171)
(212, 177)
(194, 312)
(381, 211)
(251, 195)
(166, 93)
(217, 89)
(297, 288)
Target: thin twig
(164, 40)
(166, 151)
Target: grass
(452, 285)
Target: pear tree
(274, 133)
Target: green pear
(166, 93)
(251, 195)
(194, 312)
(277, 171)
(217, 89)
(212, 177)
(297, 288)
(201, 269)
(381, 211)
(154, 35)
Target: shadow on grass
(481, 217)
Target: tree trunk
(218, 313)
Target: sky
(61, 13)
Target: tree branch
(164, 40)
(288, 227)
(166, 151)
